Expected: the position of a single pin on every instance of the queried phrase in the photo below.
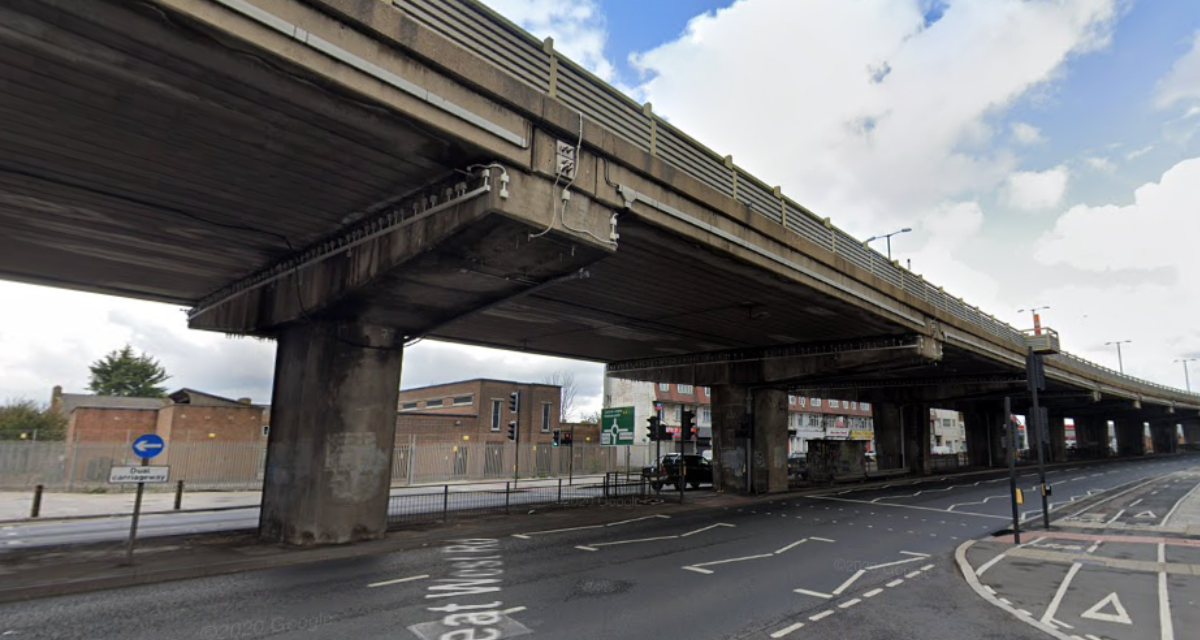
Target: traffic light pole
(1010, 428)
(571, 464)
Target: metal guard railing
(493, 38)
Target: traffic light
(567, 439)
(514, 401)
(687, 428)
(512, 430)
(557, 437)
(655, 428)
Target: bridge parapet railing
(536, 63)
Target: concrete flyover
(345, 176)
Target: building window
(685, 389)
(801, 402)
(463, 401)
(845, 404)
(408, 406)
(792, 400)
(947, 423)
(705, 415)
(663, 386)
(707, 392)
(433, 403)
(816, 403)
(546, 416)
(496, 404)
(854, 405)
(865, 406)
(266, 430)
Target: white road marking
(525, 536)
(790, 546)
(1024, 613)
(697, 570)
(1062, 591)
(857, 574)
(1114, 518)
(1145, 514)
(913, 506)
(1006, 601)
(786, 630)
(849, 603)
(1180, 501)
(872, 593)
(397, 581)
(1119, 615)
(702, 530)
(824, 614)
(892, 564)
(513, 610)
(895, 583)
(1164, 598)
(912, 574)
(727, 561)
(815, 594)
(914, 553)
(1092, 637)
(821, 539)
(1095, 545)
(926, 567)
(1135, 503)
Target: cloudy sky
(1043, 151)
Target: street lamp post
(1120, 361)
(888, 237)
(1186, 380)
(1037, 320)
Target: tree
(28, 420)
(591, 418)
(566, 381)
(121, 373)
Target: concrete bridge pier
(1163, 437)
(986, 445)
(333, 423)
(902, 436)
(1130, 437)
(1191, 432)
(749, 439)
(1057, 451)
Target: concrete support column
(769, 455)
(333, 425)
(1130, 437)
(1058, 439)
(730, 414)
(915, 418)
(1091, 437)
(889, 447)
(1191, 432)
(985, 435)
(1162, 437)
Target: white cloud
(1101, 164)
(1138, 259)
(1032, 191)
(577, 26)
(1027, 134)
(1182, 82)
(1137, 153)
(876, 118)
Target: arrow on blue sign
(148, 445)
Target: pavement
(1123, 566)
(855, 563)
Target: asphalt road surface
(851, 564)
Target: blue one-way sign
(148, 445)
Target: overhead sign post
(145, 447)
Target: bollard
(507, 494)
(560, 490)
(178, 495)
(445, 502)
(37, 502)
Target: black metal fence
(459, 500)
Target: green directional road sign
(616, 426)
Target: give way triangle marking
(1146, 514)
(1120, 615)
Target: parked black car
(667, 471)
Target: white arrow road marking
(1119, 615)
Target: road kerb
(968, 573)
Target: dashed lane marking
(895, 583)
(824, 614)
(526, 536)
(872, 593)
(788, 629)
(849, 603)
(912, 574)
(397, 581)
(821, 539)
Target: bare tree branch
(566, 381)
